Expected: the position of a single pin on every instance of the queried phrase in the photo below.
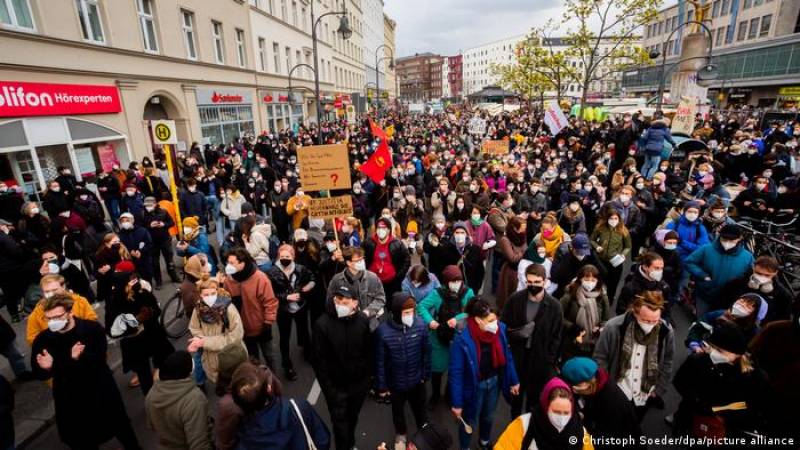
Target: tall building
(756, 46)
(389, 27)
(455, 75)
(420, 77)
(348, 54)
(374, 38)
(446, 93)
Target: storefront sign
(223, 96)
(683, 122)
(21, 99)
(282, 97)
(331, 207)
(499, 147)
(324, 167)
(792, 90)
(108, 157)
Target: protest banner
(331, 207)
(499, 147)
(554, 118)
(324, 167)
(477, 126)
(683, 122)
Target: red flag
(381, 160)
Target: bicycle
(174, 318)
(777, 241)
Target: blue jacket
(693, 235)
(655, 136)
(711, 260)
(277, 427)
(402, 355)
(200, 245)
(463, 374)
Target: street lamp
(345, 30)
(708, 57)
(385, 48)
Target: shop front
(225, 114)
(39, 132)
(283, 111)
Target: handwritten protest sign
(683, 122)
(477, 126)
(331, 207)
(495, 147)
(324, 167)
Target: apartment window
(262, 54)
(148, 23)
(241, 56)
(753, 28)
(303, 18)
(294, 14)
(747, 4)
(297, 60)
(288, 52)
(283, 10)
(720, 34)
(219, 46)
(188, 34)
(728, 34)
(758, 3)
(715, 9)
(16, 14)
(308, 61)
(742, 33)
(766, 22)
(726, 8)
(276, 55)
(91, 27)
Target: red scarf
(485, 337)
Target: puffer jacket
(693, 235)
(216, 336)
(402, 354)
(178, 412)
(635, 284)
(283, 285)
(277, 426)
(231, 206)
(259, 244)
(711, 260)
(655, 136)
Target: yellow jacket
(38, 323)
(299, 213)
(512, 436)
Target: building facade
(756, 46)
(389, 27)
(373, 38)
(348, 54)
(455, 76)
(420, 77)
(446, 93)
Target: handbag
(309, 441)
(712, 426)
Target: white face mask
(717, 357)
(491, 327)
(460, 239)
(718, 214)
(126, 226)
(34, 211)
(574, 207)
(624, 198)
(361, 266)
(382, 233)
(210, 300)
(407, 319)
(187, 230)
(727, 245)
(691, 217)
(343, 311)
(656, 274)
(149, 208)
(53, 268)
(589, 285)
(56, 325)
(440, 226)
(613, 222)
(646, 327)
(670, 246)
(559, 421)
(738, 311)
(230, 269)
(454, 286)
(331, 246)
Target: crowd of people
(551, 275)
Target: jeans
(112, 205)
(285, 319)
(144, 372)
(261, 344)
(650, 166)
(344, 407)
(199, 372)
(416, 399)
(212, 205)
(482, 415)
(163, 249)
(15, 359)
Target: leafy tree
(604, 35)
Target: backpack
(447, 311)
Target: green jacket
(428, 310)
(612, 243)
(178, 412)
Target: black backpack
(450, 308)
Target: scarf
(242, 275)
(216, 313)
(634, 334)
(552, 243)
(588, 315)
(479, 336)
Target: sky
(448, 26)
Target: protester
(586, 310)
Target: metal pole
(662, 78)
(317, 102)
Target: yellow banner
(331, 207)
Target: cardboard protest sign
(499, 147)
(324, 167)
(331, 207)
(683, 122)
(477, 126)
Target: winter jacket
(259, 305)
(278, 427)
(712, 261)
(402, 354)
(468, 259)
(536, 356)
(297, 208)
(200, 245)
(193, 204)
(443, 204)
(159, 234)
(397, 250)
(609, 414)
(12, 255)
(231, 206)
(260, 244)
(635, 284)
(779, 298)
(216, 336)
(133, 204)
(480, 235)
(421, 292)
(111, 185)
(463, 375)
(428, 310)
(693, 235)
(138, 239)
(655, 136)
(179, 414)
(566, 266)
(633, 217)
(283, 286)
(371, 296)
(342, 352)
(612, 243)
(6, 414)
(608, 350)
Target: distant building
(455, 75)
(420, 77)
(389, 27)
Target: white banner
(554, 118)
(477, 126)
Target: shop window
(12, 134)
(16, 14)
(91, 25)
(81, 130)
(148, 23)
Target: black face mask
(535, 290)
(286, 262)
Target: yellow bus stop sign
(164, 132)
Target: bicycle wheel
(173, 317)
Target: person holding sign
(612, 242)
(297, 208)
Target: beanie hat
(730, 231)
(763, 306)
(432, 437)
(149, 200)
(194, 267)
(126, 215)
(383, 221)
(300, 235)
(460, 225)
(125, 266)
(452, 273)
(231, 357)
(412, 227)
(177, 366)
(579, 369)
(247, 208)
(191, 222)
(728, 337)
(717, 204)
(692, 204)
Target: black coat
(282, 285)
(84, 391)
(779, 299)
(11, 206)
(6, 416)
(635, 284)
(161, 234)
(111, 184)
(609, 414)
(566, 266)
(12, 255)
(469, 261)
(343, 354)
(7, 334)
(152, 341)
(536, 362)
(401, 260)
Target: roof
(493, 91)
